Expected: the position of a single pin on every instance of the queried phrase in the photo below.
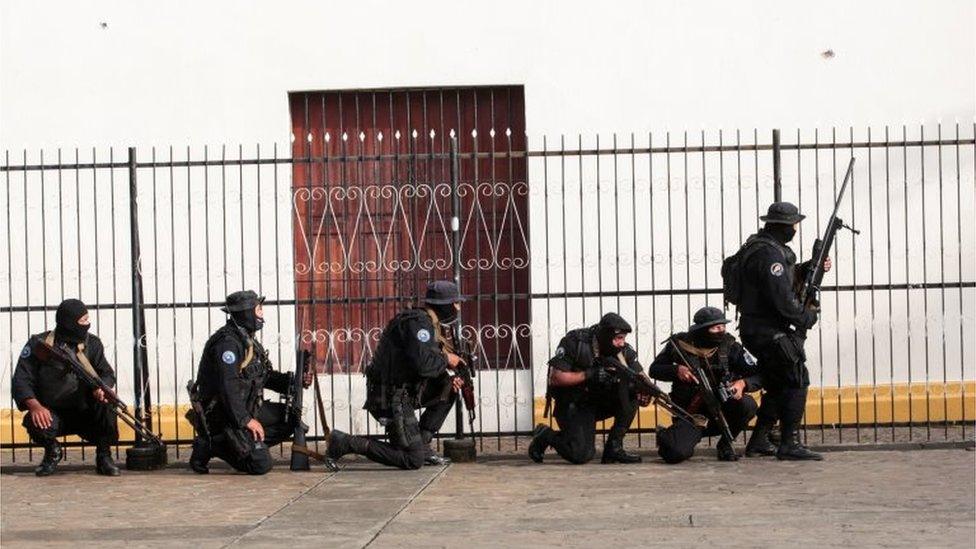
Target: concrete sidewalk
(902, 499)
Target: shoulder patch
(229, 357)
(423, 335)
(560, 351)
(25, 352)
(776, 269)
(747, 356)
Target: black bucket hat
(242, 301)
(784, 213)
(707, 317)
(443, 292)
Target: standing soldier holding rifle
(411, 369)
(57, 401)
(778, 302)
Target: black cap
(784, 213)
(614, 324)
(443, 292)
(707, 317)
(242, 301)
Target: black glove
(597, 375)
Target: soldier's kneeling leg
(577, 429)
(677, 442)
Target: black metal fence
(549, 235)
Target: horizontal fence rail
(340, 233)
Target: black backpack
(733, 268)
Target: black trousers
(94, 423)
(409, 439)
(257, 460)
(677, 442)
(576, 440)
(785, 378)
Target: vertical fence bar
(777, 168)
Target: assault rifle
(300, 452)
(809, 291)
(62, 354)
(466, 370)
(645, 386)
(706, 392)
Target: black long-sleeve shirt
(769, 299)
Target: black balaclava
(66, 318)
(446, 313)
(248, 320)
(781, 231)
(707, 340)
(609, 327)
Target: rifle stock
(644, 385)
(299, 459)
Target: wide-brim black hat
(706, 317)
(784, 213)
(242, 301)
(443, 292)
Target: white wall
(218, 72)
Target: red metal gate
(372, 215)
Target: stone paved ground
(853, 499)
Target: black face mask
(781, 232)
(706, 339)
(66, 318)
(248, 320)
(604, 338)
(446, 314)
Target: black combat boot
(725, 450)
(341, 443)
(104, 464)
(540, 442)
(430, 456)
(613, 452)
(200, 456)
(791, 449)
(759, 443)
(49, 464)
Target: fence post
(456, 259)
(460, 448)
(777, 173)
(140, 359)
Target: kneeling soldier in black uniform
(732, 372)
(586, 391)
(57, 402)
(239, 425)
(409, 371)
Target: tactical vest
(386, 377)
(714, 361)
(253, 369)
